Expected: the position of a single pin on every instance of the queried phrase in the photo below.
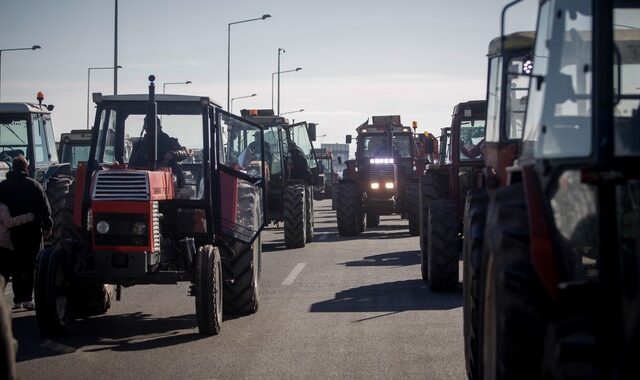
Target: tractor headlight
(139, 228)
(388, 185)
(102, 227)
(375, 185)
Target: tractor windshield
(627, 111)
(273, 156)
(558, 122)
(471, 138)
(74, 153)
(13, 136)
(375, 146)
(402, 145)
(300, 137)
(244, 146)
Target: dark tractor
(26, 129)
(379, 181)
(442, 194)
(510, 60)
(292, 172)
(560, 293)
(74, 146)
(328, 177)
(143, 225)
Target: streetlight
(164, 85)
(239, 97)
(115, 49)
(284, 113)
(264, 17)
(89, 81)
(281, 72)
(34, 47)
(280, 50)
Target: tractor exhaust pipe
(151, 126)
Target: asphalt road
(339, 308)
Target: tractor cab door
(240, 178)
(299, 135)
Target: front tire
(242, 280)
(53, 313)
(443, 255)
(295, 225)
(433, 185)
(208, 286)
(349, 210)
(413, 208)
(373, 220)
(309, 216)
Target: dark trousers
(24, 264)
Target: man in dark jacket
(299, 165)
(23, 195)
(170, 152)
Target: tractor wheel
(295, 227)
(475, 214)
(442, 255)
(309, 217)
(413, 208)
(433, 185)
(349, 210)
(515, 304)
(373, 220)
(58, 189)
(7, 343)
(241, 274)
(208, 289)
(53, 313)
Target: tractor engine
(124, 220)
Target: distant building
(338, 150)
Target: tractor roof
(513, 41)
(22, 108)
(471, 109)
(160, 98)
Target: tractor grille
(121, 185)
(382, 172)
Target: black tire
(53, 312)
(7, 343)
(443, 254)
(475, 214)
(58, 189)
(242, 279)
(295, 227)
(515, 304)
(309, 217)
(373, 220)
(433, 185)
(413, 208)
(349, 209)
(208, 289)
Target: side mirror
(311, 129)
(348, 139)
(340, 160)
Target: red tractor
(560, 292)
(142, 225)
(442, 191)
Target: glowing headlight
(102, 227)
(375, 185)
(388, 185)
(381, 160)
(139, 228)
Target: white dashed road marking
(294, 274)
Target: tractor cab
(74, 147)
(141, 222)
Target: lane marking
(294, 274)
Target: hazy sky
(359, 58)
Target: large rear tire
(475, 215)
(349, 210)
(242, 279)
(51, 287)
(58, 189)
(309, 217)
(373, 220)
(295, 227)
(208, 286)
(413, 208)
(515, 304)
(443, 255)
(433, 185)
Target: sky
(414, 58)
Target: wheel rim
(489, 339)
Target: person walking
(7, 254)
(24, 195)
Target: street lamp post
(284, 113)
(88, 85)
(115, 50)
(264, 17)
(239, 97)
(34, 47)
(280, 50)
(164, 85)
(281, 72)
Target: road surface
(339, 308)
